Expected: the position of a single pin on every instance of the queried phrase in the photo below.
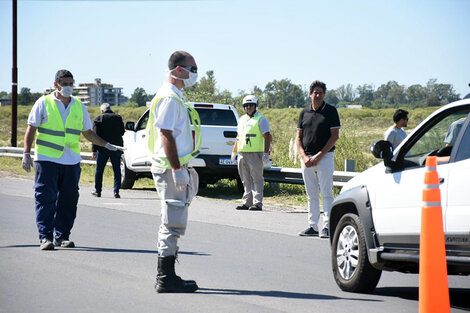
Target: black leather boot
(168, 281)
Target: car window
(437, 140)
(217, 117)
(464, 146)
(142, 122)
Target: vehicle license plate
(226, 161)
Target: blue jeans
(101, 160)
(56, 198)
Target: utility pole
(14, 81)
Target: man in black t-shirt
(317, 132)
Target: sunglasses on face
(192, 69)
(248, 105)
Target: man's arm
(28, 138)
(329, 144)
(94, 138)
(169, 146)
(267, 141)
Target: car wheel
(351, 268)
(127, 176)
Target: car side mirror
(382, 149)
(129, 126)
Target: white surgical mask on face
(66, 91)
(188, 82)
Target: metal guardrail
(274, 174)
(87, 157)
(294, 176)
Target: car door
(140, 157)
(398, 194)
(458, 200)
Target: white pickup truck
(218, 131)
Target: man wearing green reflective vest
(59, 118)
(171, 145)
(253, 144)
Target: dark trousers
(101, 160)
(56, 198)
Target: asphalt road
(242, 261)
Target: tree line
(284, 94)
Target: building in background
(95, 94)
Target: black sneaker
(64, 243)
(96, 194)
(309, 232)
(46, 244)
(255, 208)
(242, 207)
(116, 195)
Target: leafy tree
(366, 95)
(416, 94)
(139, 96)
(283, 94)
(25, 98)
(445, 93)
(346, 93)
(331, 97)
(396, 95)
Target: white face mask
(66, 91)
(188, 82)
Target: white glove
(265, 158)
(234, 156)
(181, 180)
(112, 147)
(27, 162)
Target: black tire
(351, 268)
(127, 176)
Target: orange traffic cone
(433, 283)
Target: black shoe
(168, 281)
(242, 207)
(116, 195)
(255, 208)
(64, 243)
(96, 194)
(46, 244)
(309, 232)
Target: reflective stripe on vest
(249, 137)
(152, 134)
(54, 135)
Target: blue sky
(246, 43)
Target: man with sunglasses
(170, 141)
(252, 144)
(395, 133)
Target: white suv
(218, 131)
(375, 222)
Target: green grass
(359, 128)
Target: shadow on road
(459, 297)
(99, 249)
(277, 294)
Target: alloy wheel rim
(347, 252)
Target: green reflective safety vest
(249, 137)
(152, 134)
(53, 136)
